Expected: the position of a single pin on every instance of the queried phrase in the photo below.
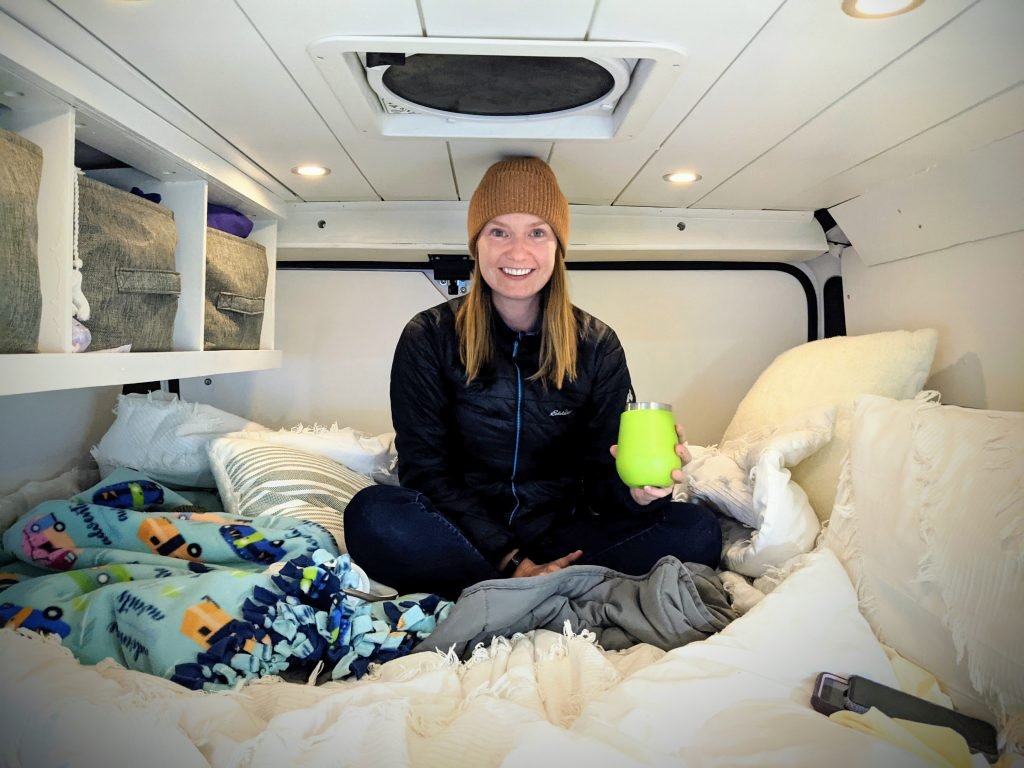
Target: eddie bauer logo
(566, 412)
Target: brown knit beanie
(519, 185)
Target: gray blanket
(672, 605)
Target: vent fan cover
(496, 88)
(448, 85)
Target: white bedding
(740, 697)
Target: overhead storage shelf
(53, 101)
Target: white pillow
(833, 372)
(261, 480)
(929, 522)
(165, 438)
(370, 455)
(747, 478)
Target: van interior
(807, 203)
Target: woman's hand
(648, 493)
(530, 568)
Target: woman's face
(516, 255)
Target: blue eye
(498, 232)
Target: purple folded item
(228, 220)
(153, 197)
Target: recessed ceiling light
(13, 94)
(310, 170)
(682, 177)
(878, 9)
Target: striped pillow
(261, 480)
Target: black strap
(513, 562)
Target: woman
(506, 404)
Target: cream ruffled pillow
(929, 522)
(833, 372)
(748, 478)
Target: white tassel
(449, 657)
(311, 680)
(79, 303)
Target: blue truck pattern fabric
(186, 594)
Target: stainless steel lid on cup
(648, 406)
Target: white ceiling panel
(593, 173)
(795, 68)
(534, 19)
(310, 19)
(709, 36)
(208, 57)
(397, 169)
(471, 157)
(992, 120)
(596, 173)
(976, 55)
(973, 197)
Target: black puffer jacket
(504, 456)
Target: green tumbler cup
(647, 445)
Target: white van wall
(695, 339)
(47, 433)
(944, 249)
(972, 295)
(338, 331)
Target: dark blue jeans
(401, 540)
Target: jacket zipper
(519, 422)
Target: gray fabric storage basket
(236, 289)
(21, 301)
(126, 244)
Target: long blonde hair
(557, 335)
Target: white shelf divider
(188, 201)
(48, 372)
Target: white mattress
(740, 697)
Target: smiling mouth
(516, 272)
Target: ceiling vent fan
(525, 89)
